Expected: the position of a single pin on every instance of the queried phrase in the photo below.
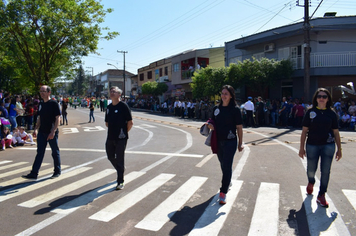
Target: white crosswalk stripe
(267, 201)
(65, 189)
(11, 194)
(21, 180)
(4, 162)
(129, 200)
(14, 172)
(162, 214)
(323, 221)
(209, 224)
(12, 165)
(351, 196)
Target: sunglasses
(322, 96)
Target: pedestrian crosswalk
(265, 218)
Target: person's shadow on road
(187, 217)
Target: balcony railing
(187, 74)
(327, 60)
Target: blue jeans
(13, 122)
(326, 154)
(226, 153)
(41, 148)
(91, 114)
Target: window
(258, 56)
(149, 75)
(160, 72)
(235, 60)
(166, 70)
(176, 67)
(142, 76)
(283, 53)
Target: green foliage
(48, 37)
(154, 88)
(208, 81)
(80, 83)
(256, 74)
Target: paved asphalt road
(171, 185)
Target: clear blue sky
(151, 30)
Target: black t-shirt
(321, 124)
(48, 111)
(226, 119)
(117, 117)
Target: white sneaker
(120, 186)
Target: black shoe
(29, 176)
(55, 175)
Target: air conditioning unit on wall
(269, 47)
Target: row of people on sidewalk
(19, 110)
(18, 137)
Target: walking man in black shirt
(118, 119)
(47, 126)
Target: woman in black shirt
(320, 123)
(227, 120)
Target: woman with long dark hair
(320, 123)
(228, 127)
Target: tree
(208, 81)
(80, 83)
(256, 74)
(48, 37)
(154, 88)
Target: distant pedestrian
(64, 112)
(321, 127)
(47, 126)
(249, 108)
(118, 119)
(91, 113)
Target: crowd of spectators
(284, 113)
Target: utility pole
(306, 52)
(306, 46)
(124, 52)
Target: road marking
(351, 196)
(12, 165)
(4, 162)
(321, 220)
(73, 205)
(265, 217)
(22, 180)
(70, 130)
(128, 152)
(66, 189)
(150, 136)
(240, 165)
(214, 216)
(92, 129)
(187, 146)
(42, 184)
(129, 200)
(155, 220)
(205, 160)
(338, 223)
(24, 169)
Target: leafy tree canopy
(256, 74)
(45, 38)
(154, 88)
